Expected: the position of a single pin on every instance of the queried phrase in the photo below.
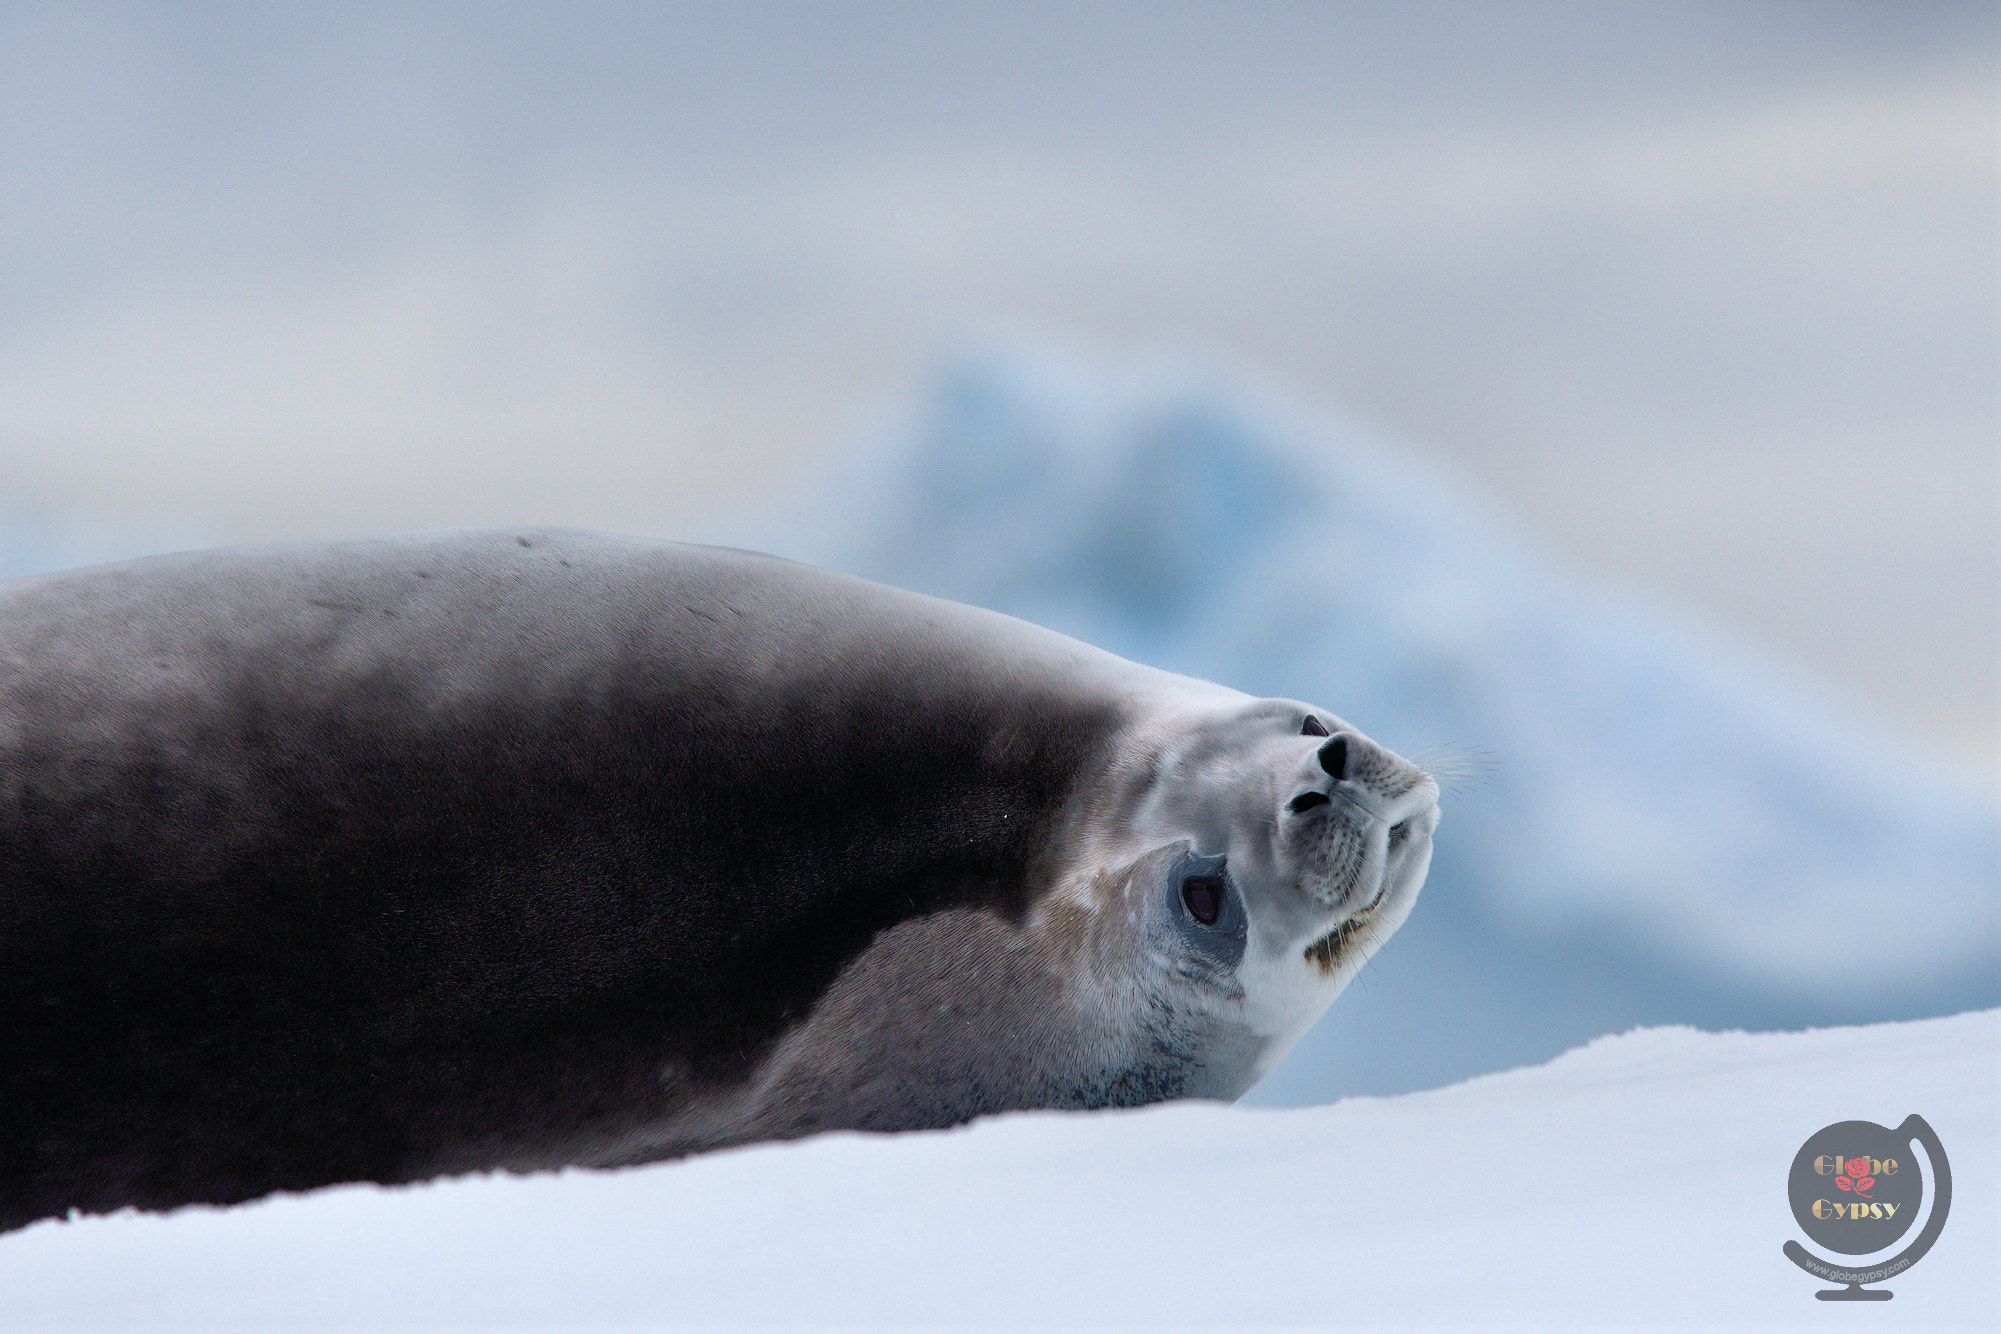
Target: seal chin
(1293, 980)
(1348, 944)
(1364, 866)
(1392, 843)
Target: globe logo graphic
(1856, 1188)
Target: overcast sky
(1705, 294)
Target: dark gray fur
(372, 859)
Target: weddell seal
(380, 859)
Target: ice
(1651, 825)
(1637, 1182)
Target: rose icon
(1858, 1178)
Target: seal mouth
(1355, 932)
(1327, 952)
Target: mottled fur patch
(1326, 952)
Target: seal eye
(1208, 927)
(1203, 899)
(1313, 727)
(1306, 801)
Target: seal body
(379, 859)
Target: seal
(388, 858)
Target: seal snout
(1356, 818)
(1358, 773)
(1366, 863)
(1333, 759)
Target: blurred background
(1602, 396)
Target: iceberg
(1643, 824)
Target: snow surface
(1639, 1180)
(1653, 827)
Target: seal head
(1233, 865)
(1323, 836)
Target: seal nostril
(1306, 801)
(1203, 898)
(1313, 727)
(1334, 758)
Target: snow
(1639, 1180)
(1651, 825)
